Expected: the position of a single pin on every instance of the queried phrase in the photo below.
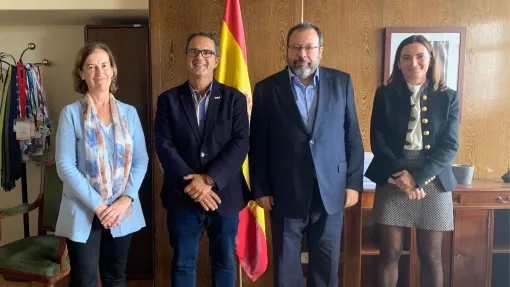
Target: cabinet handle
(458, 255)
(501, 200)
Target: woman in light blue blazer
(102, 159)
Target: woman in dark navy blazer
(414, 137)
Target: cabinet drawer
(495, 200)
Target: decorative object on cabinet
(463, 173)
(506, 176)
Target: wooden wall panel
(354, 42)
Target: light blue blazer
(79, 199)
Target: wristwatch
(209, 180)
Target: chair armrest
(62, 253)
(14, 210)
(20, 209)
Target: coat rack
(24, 190)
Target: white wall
(59, 44)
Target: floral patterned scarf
(98, 172)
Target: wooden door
(130, 46)
(470, 248)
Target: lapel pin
(217, 98)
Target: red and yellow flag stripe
(251, 246)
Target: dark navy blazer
(389, 127)
(219, 150)
(285, 158)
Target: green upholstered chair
(42, 258)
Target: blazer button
(202, 154)
(423, 109)
(427, 147)
(426, 133)
(311, 142)
(425, 121)
(424, 98)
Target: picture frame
(449, 47)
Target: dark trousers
(323, 234)
(103, 251)
(185, 230)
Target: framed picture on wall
(449, 45)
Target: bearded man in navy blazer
(201, 132)
(306, 159)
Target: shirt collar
(196, 92)
(293, 77)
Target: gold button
(426, 133)
(423, 109)
(427, 147)
(424, 98)
(425, 121)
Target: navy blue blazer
(388, 130)
(219, 151)
(285, 158)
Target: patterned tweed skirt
(434, 212)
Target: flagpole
(302, 9)
(240, 275)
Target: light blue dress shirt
(201, 104)
(306, 98)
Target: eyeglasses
(298, 48)
(194, 52)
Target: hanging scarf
(109, 186)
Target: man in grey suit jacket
(306, 158)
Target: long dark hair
(433, 75)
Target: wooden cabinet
(476, 253)
(470, 248)
(130, 47)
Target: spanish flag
(251, 248)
